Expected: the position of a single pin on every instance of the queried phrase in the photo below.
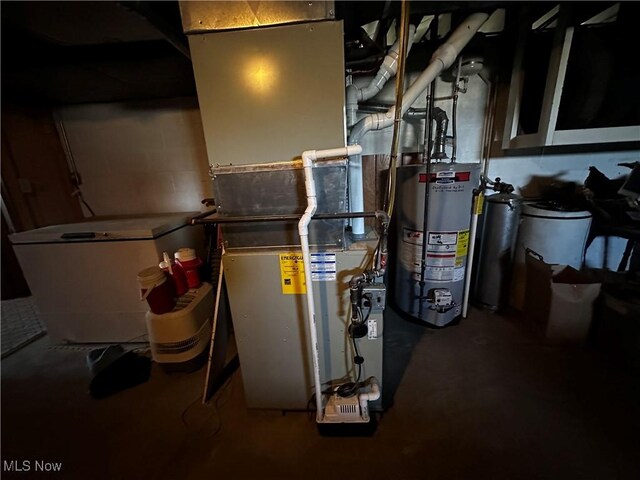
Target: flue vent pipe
(441, 59)
(386, 71)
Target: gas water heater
(431, 262)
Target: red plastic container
(156, 289)
(178, 277)
(186, 258)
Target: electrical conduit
(308, 157)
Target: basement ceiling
(80, 52)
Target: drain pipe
(308, 157)
(371, 396)
(399, 54)
(442, 59)
(387, 70)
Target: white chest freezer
(83, 275)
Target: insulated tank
(496, 248)
(557, 233)
(439, 301)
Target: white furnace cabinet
(83, 275)
(271, 329)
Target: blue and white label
(323, 267)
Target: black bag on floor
(114, 369)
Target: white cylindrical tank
(439, 300)
(558, 234)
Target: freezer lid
(111, 229)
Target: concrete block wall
(139, 158)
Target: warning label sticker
(323, 267)
(479, 204)
(445, 253)
(372, 329)
(412, 236)
(441, 274)
(292, 273)
(463, 244)
(443, 238)
(441, 259)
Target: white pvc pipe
(387, 70)
(356, 94)
(472, 248)
(308, 158)
(356, 195)
(442, 59)
(351, 106)
(371, 396)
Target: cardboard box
(559, 300)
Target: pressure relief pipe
(308, 157)
(441, 59)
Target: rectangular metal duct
(278, 189)
(199, 17)
(268, 94)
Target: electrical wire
(370, 298)
(349, 389)
(75, 174)
(346, 389)
(78, 193)
(195, 407)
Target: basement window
(571, 78)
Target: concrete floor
(484, 399)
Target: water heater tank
(439, 300)
(557, 233)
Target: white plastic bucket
(155, 289)
(185, 254)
